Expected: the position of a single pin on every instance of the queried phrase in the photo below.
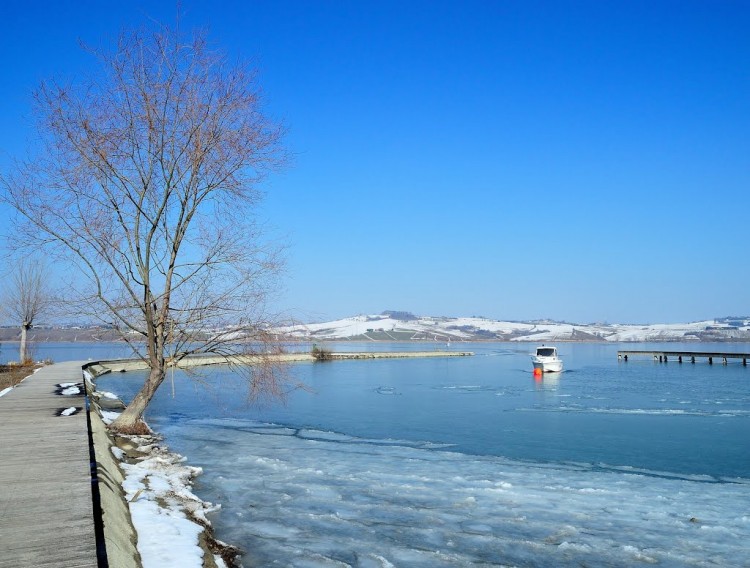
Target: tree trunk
(22, 351)
(130, 421)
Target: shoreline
(141, 471)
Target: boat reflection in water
(546, 381)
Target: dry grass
(11, 375)
(140, 428)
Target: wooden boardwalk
(689, 356)
(46, 510)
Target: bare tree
(26, 297)
(146, 177)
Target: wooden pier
(46, 501)
(688, 356)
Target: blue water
(473, 461)
(691, 419)
(68, 351)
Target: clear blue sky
(585, 161)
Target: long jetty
(691, 356)
(122, 365)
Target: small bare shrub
(321, 353)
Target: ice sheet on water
(309, 434)
(327, 500)
(638, 411)
(669, 474)
(465, 388)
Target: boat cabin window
(545, 352)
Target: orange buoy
(537, 372)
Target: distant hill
(403, 326)
(78, 333)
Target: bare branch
(147, 180)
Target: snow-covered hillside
(399, 326)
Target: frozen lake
(473, 461)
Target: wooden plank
(46, 511)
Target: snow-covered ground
(386, 327)
(167, 516)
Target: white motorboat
(547, 360)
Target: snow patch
(108, 416)
(441, 329)
(167, 516)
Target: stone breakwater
(123, 365)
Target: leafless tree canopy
(25, 298)
(147, 179)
